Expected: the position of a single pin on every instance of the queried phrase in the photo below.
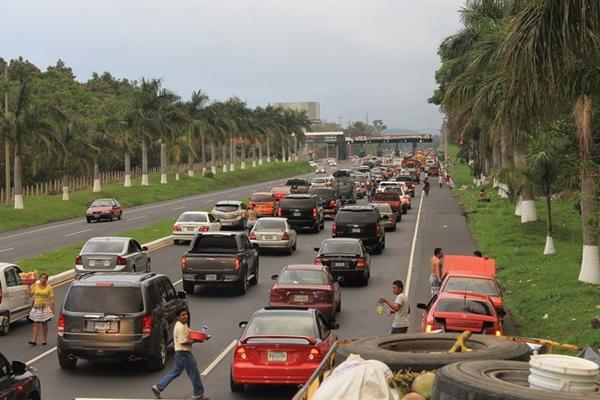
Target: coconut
(412, 396)
(423, 384)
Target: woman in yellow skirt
(43, 308)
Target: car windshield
(281, 324)
(404, 179)
(468, 284)
(387, 196)
(464, 306)
(353, 217)
(318, 180)
(303, 277)
(193, 218)
(104, 299)
(103, 246)
(102, 203)
(214, 244)
(226, 207)
(261, 197)
(383, 208)
(325, 194)
(340, 247)
(296, 182)
(269, 225)
(297, 203)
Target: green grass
(535, 285)
(43, 209)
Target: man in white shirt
(400, 308)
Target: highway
(441, 223)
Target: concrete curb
(70, 274)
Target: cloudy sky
(353, 56)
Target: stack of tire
(495, 369)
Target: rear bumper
(183, 236)
(273, 244)
(233, 223)
(98, 349)
(325, 308)
(205, 277)
(302, 223)
(272, 374)
(349, 273)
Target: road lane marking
(39, 230)
(52, 350)
(412, 249)
(177, 208)
(2, 251)
(219, 358)
(178, 282)
(133, 219)
(77, 233)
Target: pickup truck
(220, 258)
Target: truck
(345, 186)
(220, 258)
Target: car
(15, 302)
(191, 222)
(100, 209)
(328, 200)
(112, 253)
(279, 192)
(390, 223)
(394, 199)
(307, 286)
(231, 214)
(118, 317)
(459, 312)
(302, 211)
(264, 204)
(280, 346)
(273, 233)
(345, 257)
(433, 170)
(465, 282)
(319, 182)
(17, 381)
(331, 162)
(313, 164)
(360, 222)
(320, 169)
(298, 185)
(383, 185)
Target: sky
(353, 56)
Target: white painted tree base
(66, 196)
(127, 182)
(528, 211)
(224, 168)
(213, 170)
(177, 177)
(253, 163)
(549, 249)
(231, 167)
(518, 207)
(495, 184)
(268, 159)
(18, 202)
(145, 180)
(289, 159)
(97, 187)
(203, 170)
(191, 173)
(260, 161)
(243, 165)
(163, 179)
(590, 265)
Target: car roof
(220, 233)
(357, 208)
(195, 212)
(304, 266)
(290, 310)
(228, 202)
(115, 277)
(349, 240)
(477, 265)
(4, 265)
(299, 196)
(272, 219)
(105, 199)
(109, 239)
(283, 187)
(265, 193)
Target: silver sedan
(120, 254)
(273, 233)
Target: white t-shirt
(402, 316)
(180, 337)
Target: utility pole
(367, 118)
(7, 191)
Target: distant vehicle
(17, 381)
(307, 286)
(220, 258)
(273, 233)
(231, 214)
(319, 182)
(331, 162)
(433, 170)
(360, 222)
(109, 209)
(394, 199)
(328, 200)
(279, 192)
(265, 204)
(344, 186)
(280, 346)
(345, 257)
(392, 219)
(15, 302)
(312, 164)
(112, 253)
(409, 181)
(303, 211)
(298, 185)
(118, 317)
(191, 222)
(319, 169)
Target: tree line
(55, 127)
(519, 85)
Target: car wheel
(133, 268)
(365, 279)
(242, 285)
(89, 220)
(148, 266)
(188, 287)
(120, 215)
(338, 307)
(157, 360)
(323, 224)
(176, 242)
(6, 327)
(65, 362)
(316, 228)
(294, 246)
(235, 387)
(378, 249)
(394, 227)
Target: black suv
(118, 316)
(17, 381)
(361, 222)
(302, 211)
(328, 200)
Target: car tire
(365, 280)
(176, 242)
(6, 328)
(323, 224)
(120, 215)
(394, 227)
(254, 279)
(316, 228)
(148, 266)
(157, 360)
(242, 285)
(65, 362)
(338, 307)
(235, 387)
(133, 268)
(378, 249)
(188, 287)
(397, 351)
(294, 246)
(89, 220)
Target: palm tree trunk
(97, 186)
(65, 188)
(18, 177)
(7, 171)
(145, 181)
(163, 161)
(527, 204)
(549, 249)
(177, 168)
(282, 152)
(253, 155)
(213, 157)
(243, 155)
(190, 164)
(224, 156)
(127, 182)
(202, 153)
(260, 155)
(590, 262)
(232, 154)
(268, 150)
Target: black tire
(323, 224)
(6, 328)
(188, 287)
(157, 360)
(493, 380)
(394, 228)
(65, 362)
(365, 280)
(338, 307)
(242, 285)
(423, 352)
(254, 279)
(235, 387)
(294, 246)
(89, 220)
(176, 242)
(378, 249)
(133, 268)
(120, 215)
(316, 228)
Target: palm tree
(543, 30)
(196, 127)
(5, 125)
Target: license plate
(269, 237)
(296, 213)
(301, 298)
(102, 326)
(355, 230)
(211, 277)
(277, 356)
(339, 264)
(189, 229)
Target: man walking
(400, 308)
(184, 359)
(436, 270)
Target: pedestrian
(184, 359)
(426, 186)
(436, 270)
(43, 308)
(400, 308)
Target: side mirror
(181, 295)
(334, 325)
(243, 324)
(274, 277)
(422, 306)
(144, 248)
(502, 312)
(340, 279)
(18, 367)
(316, 249)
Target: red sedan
(280, 346)
(458, 312)
(473, 283)
(265, 204)
(104, 209)
(307, 286)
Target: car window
(226, 207)
(103, 246)
(211, 219)
(468, 284)
(340, 247)
(297, 203)
(269, 224)
(102, 203)
(169, 291)
(303, 277)
(246, 242)
(192, 217)
(323, 328)
(354, 217)
(394, 196)
(383, 208)
(464, 305)
(261, 197)
(137, 244)
(155, 291)
(278, 324)
(214, 244)
(11, 276)
(243, 206)
(132, 247)
(104, 299)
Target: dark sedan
(345, 257)
(17, 381)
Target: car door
(15, 293)
(214, 224)
(170, 303)
(292, 233)
(327, 337)
(7, 386)
(337, 291)
(250, 253)
(132, 257)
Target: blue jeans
(183, 360)
(402, 329)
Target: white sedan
(273, 233)
(191, 222)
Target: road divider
(133, 219)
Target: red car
(279, 192)
(280, 346)
(104, 209)
(265, 204)
(458, 312)
(464, 282)
(433, 170)
(394, 199)
(307, 286)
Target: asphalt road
(441, 224)
(28, 242)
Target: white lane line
(177, 208)
(178, 282)
(412, 249)
(39, 230)
(219, 358)
(133, 219)
(77, 233)
(2, 251)
(52, 350)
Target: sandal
(44, 343)
(31, 342)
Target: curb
(70, 274)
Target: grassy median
(541, 292)
(43, 209)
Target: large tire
(235, 387)
(421, 351)
(188, 287)
(493, 380)
(5, 329)
(65, 362)
(157, 360)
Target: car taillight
(203, 229)
(121, 260)
(314, 213)
(147, 325)
(333, 203)
(433, 327)
(21, 387)
(237, 264)
(176, 228)
(285, 236)
(318, 260)
(252, 235)
(378, 228)
(61, 323)
(275, 296)
(314, 354)
(498, 333)
(334, 228)
(183, 262)
(78, 260)
(240, 354)
(279, 213)
(361, 263)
